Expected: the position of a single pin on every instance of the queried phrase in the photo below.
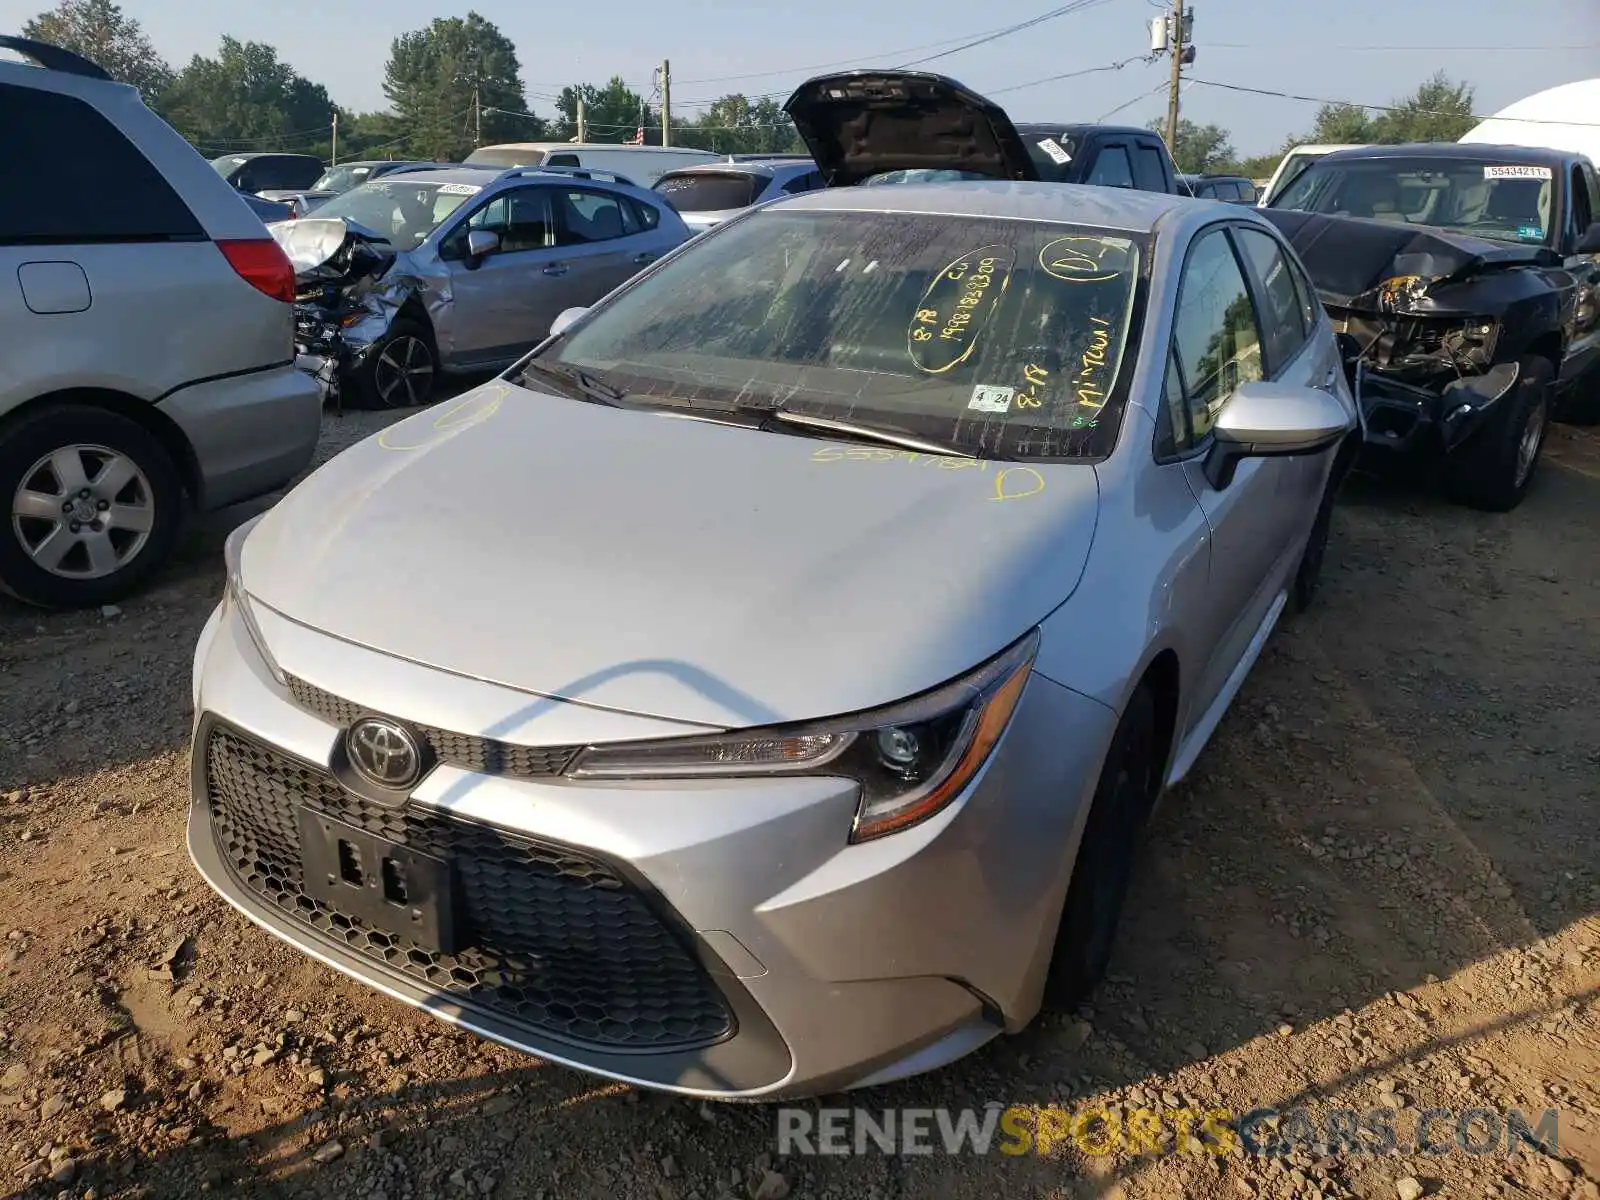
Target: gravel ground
(1379, 889)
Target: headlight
(237, 600)
(910, 759)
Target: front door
(1256, 519)
(505, 302)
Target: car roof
(1067, 203)
(1082, 127)
(1463, 151)
(473, 174)
(242, 155)
(746, 166)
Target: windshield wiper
(865, 433)
(586, 385)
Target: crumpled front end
(350, 285)
(1432, 324)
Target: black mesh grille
(483, 755)
(557, 941)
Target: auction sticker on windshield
(1518, 172)
(460, 189)
(1053, 148)
(986, 397)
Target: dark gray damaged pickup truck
(1463, 280)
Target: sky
(1369, 51)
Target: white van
(639, 165)
(1294, 162)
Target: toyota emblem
(384, 753)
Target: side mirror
(565, 320)
(1271, 420)
(482, 242)
(1589, 243)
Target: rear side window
(1149, 174)
(1247, 190)
(585, 217)
(804, 183)
(269, 173)
(1283, 320)
(104, 191)
(1582, 207)
(1112, 168)
(562, 160)
(644, 216)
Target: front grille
(485, 756)
(558, 942)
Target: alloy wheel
(83, 512)
(403, 374)
(1532, 438)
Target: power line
(1427, 112)
(1130, 103)
(1116, 66)
(1065, 9)
(1320, 49)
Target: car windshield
(228, 162)
(502, 157)
(711, 191)
(403, 212)
(1483, 197)
(992, 337)
(342, 179)
(1292, 168)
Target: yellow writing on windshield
(1034, 377)
(1088, 384)
(950, 315)
(1085, 259)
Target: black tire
(1123, 799)
(1582, 405)
(1491, 472)
(400, 371)
(1308, 575)
(153, 497)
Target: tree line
(459, 78)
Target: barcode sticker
(1053, 148)
(1518, 172)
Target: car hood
(670, 567)
(1351, 259)
(861, 123)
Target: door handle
(556, 269)
(641, 259)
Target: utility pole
(1172, 34)
(666, 103)
(477, 111)
(583, 126)
(335, 162)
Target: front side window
(404, 213)
(1582, 207)
(710, 191)
(1284, 320)
(1217, 334)
(1484, 197)
(992, 337)
(1149, 173)
(1111, 168)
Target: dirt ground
(1381, 888)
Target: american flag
(637, 139)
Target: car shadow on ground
(1398, 796)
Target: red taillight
(262, 264)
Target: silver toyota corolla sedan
(760, 688)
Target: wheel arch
(1163, 675)
(142, 412)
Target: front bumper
(1403, 418)
(723, 940)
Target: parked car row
(711, 823)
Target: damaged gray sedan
(460, 269)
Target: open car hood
(861, 123)
(1352, 259)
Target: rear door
(108, 279)
(601, 239)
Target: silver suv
(148, 331)
(708, 195)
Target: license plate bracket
(391, 887)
